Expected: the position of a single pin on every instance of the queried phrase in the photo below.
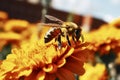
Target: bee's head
(77, 33)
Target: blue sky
(104, 9)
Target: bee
(62, 28)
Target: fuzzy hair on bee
(61, 28)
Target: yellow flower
(93, 72)
(39, 61)
(16, 25)
(17, 32)
(115, 22)
(8, 37)
(104, 39)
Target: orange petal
(83, 55)
(32, 76)
(50, 77)
(64, 74)
(74, 65)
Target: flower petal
(64, 74)
(83, 55)
(40, 75)
(74, 65)
(32, 76)
(25, 72)
(50, 76)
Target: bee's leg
(73, 38)
(59, 42)
(67, 37)
(82, 38)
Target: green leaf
(5, 51)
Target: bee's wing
(54, 18)
(50, 24)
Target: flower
(3, 18)
(39, 61)
(104, 39)
(17, 32)
(3, 15)
(115, 22)
(94, 72)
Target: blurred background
(98, 16)
(32, 10)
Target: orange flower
(41, 61)
(3, 18)
(3, 15)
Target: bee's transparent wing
(54, 18)
(50, 24)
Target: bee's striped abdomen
(52, 33)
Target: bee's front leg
(73, 38)
(59, 42)
(68, 40)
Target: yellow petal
(40, 75)
(25, 72)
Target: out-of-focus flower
(9, 37)
(16, 25)
(3, 15)
(104, 39)
(3, 19)
(39, 61)
(17, 32)
(117, 61)
(94, 72)
(115, 22)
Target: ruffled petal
(32, 76)
(74, 65)
(64, 74)
(83, 55)
(40, 75)
(50, 76)
(25, 72)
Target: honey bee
(62, 28)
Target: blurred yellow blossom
(17, 32)
(115, 22)
(93, 72)
(104, 39)
(39, 61)
(15, 25)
